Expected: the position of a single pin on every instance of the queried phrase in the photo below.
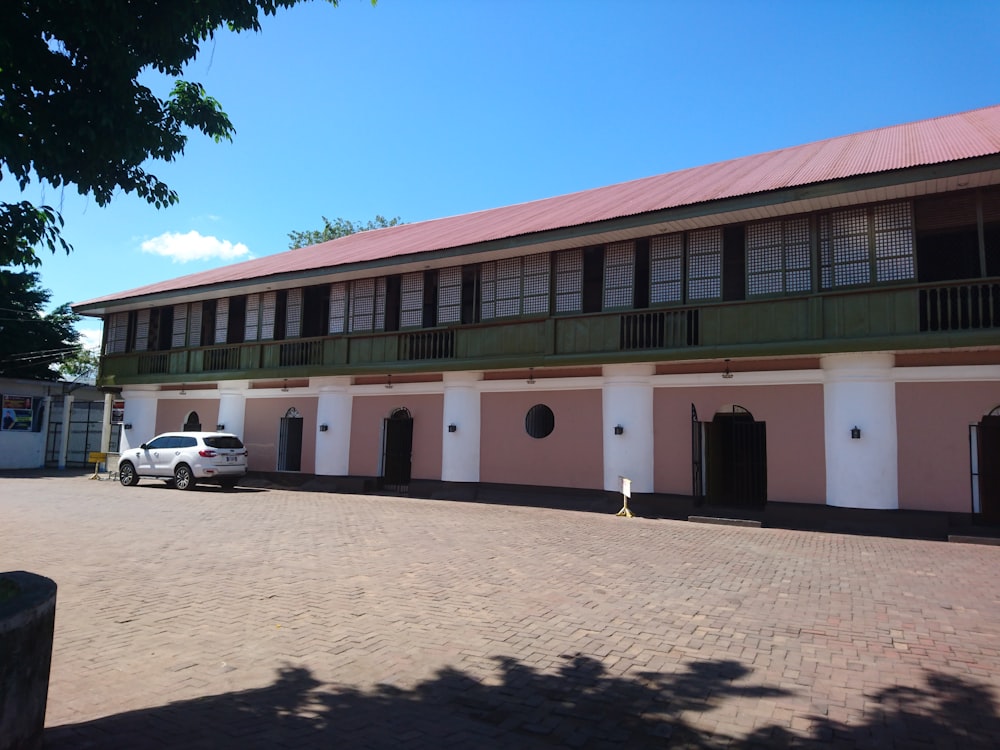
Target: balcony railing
(437, 344)
(658, 329)
(295, 353)
(223, 358)
(960, 308)
(154, 363)
(900, 316)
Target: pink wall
(572, 456)
(796, 458)
(171, 414)
(263, 422)
(932, 420)
(367, 414)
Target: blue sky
(440, 107)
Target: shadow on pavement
(581, 706)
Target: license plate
(232, 459)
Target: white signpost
(626, 485)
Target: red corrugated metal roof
(943, 139)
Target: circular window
(540, 421)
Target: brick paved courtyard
(274, 618)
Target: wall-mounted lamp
(452, 427)
(619, 430)
(127, 425)
(220, 427)
(531, 376)
(855, 433)
(324, 427)
(388, 380)
(727, 373)
(284, 386)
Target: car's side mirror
(143, 447)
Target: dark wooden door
(989, 468)
(290, 444)
(397, 452)
(736, 458)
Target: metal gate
(86, 421)
(697, 456)
(290, 441)
(397, 451)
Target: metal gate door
(397, 451)
(290, 442)
(988, 439)
(697, 456)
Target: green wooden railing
(902, 317)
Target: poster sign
(17, 414)
(117, 411)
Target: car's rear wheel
(183, 478)
(127, 475)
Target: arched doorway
(192, 423)
(290, 441)
(985, 440)
(729, 458)
(397, 450)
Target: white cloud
(90, 338)
(181, 248)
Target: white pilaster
(859, 391)
(140, 412)
(333, 409)
(109, 399)
(64, 436)
(628, 402)
(460, 449)
(232, 406)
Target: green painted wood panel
(335, 351)
(509, 339)
(250, 357)
(585, 335)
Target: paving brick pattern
(289, 619)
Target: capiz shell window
(705, 264)
(666, 259)
(619, 275)
(778, 257)
(858, 245)
(515, 286)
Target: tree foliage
(73, 112)
(81, 366)
(338, 228)
(33, 344)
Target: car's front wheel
(183, 478)
(127, 475)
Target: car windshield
(223, 441)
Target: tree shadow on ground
(580, 706)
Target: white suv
(185, 458)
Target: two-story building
(818, 324)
